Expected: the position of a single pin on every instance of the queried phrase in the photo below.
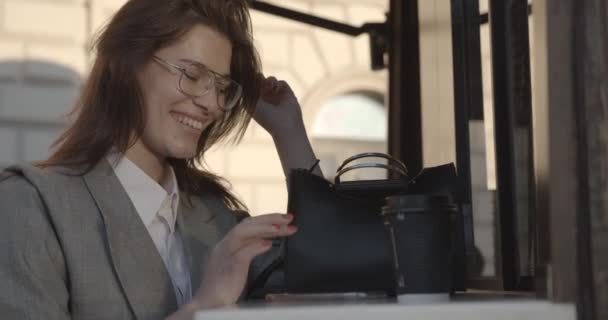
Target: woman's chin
(182, 153)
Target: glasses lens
(195, 81)
(229, 94)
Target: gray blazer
(73, 247)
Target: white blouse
(157, 206)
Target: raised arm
(279, 112)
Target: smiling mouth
(188, 122)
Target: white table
(461, 308)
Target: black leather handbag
(341, 244)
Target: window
(354, 116)
(349, 124)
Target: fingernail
(289, 216)
(292, 228)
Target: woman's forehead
(203, 45)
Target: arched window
(359, 116)
(349, 124)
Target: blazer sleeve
(32, 269)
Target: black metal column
(405, 130)
(468, 105)
(512, 117)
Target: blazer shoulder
(26, 184)
(15, 186)
(48, 177)
(21, 205)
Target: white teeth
(189, 122)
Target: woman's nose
(208, 102)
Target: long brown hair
(110, 114)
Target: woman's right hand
(227, 267)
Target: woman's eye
(222, 87)
(191, 76)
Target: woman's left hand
(278, 110)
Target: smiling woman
(128, 91)
(179, 107)
(119, 223)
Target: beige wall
(436, 82)
(44, 56)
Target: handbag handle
(397, 165)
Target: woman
(119, 223)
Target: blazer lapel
(138, 265)
(197, 223)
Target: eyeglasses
(196, 80)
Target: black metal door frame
(468, 104)
(512, 110)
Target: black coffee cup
(419, 231)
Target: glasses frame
(181, 71)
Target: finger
(269, 89)
(261, 77)
(245, 254)
(279, 85)
(270, 218)
(246, 231)
(276, 84)
(272, 80)
(265, 92)
(254, 229)
(266, 85)
(284, 87)
(268, 81)
(282, 84)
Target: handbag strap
(369, 165)
(393, 165)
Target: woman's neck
(152, 164)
